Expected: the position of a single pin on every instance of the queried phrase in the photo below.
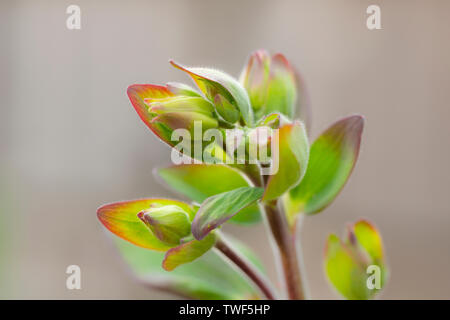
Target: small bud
(271, 84)
(169, 223)
(181, 112)
(179, 104)
(228, 95)
(226, 109)
(255, 78)
(347, 262)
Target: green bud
(180, 104)
(271, 84)
(227, 94)
(226, 109)
(181, 112)
(356, 266)
(255, 78)
(168, 223)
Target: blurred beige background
(71, 141)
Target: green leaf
(350, 265)
(188, 252)
(208, 277)
(201, 181)
(217, 209)
(121, 218)
(215, 83)
(332, 158)
(291, 160)
(181, 89)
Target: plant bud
(255, 78)
(181, 112)
(179, 104)
(168, 223)
(271, 84)
(226, 109)
(228, 95)
(356, 266)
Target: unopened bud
(168, 223)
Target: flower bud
(271, 84)
(226, 109)
(179, 104)
(228, 95)
(356, 266)
(255, 78)
(168, 223)
(249, 145)
(180, 112)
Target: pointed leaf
(121, 218)
(292, 159)
(332, 158)
(137, 93)
(182, 89)
(208, 277)
(218, 209)
(188, 252)
(213, 82)
(201, 181)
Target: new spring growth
(242, 155)
(180, 112)
(168, 223)
(271, 84)
(356, 265)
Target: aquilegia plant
(242, 157)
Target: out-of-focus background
(71, 141)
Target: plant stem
(253, 172)
(284, 240)
(245, 266)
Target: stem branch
(245, 266)
(287, 252)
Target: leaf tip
(176, 65)
(165, 264)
